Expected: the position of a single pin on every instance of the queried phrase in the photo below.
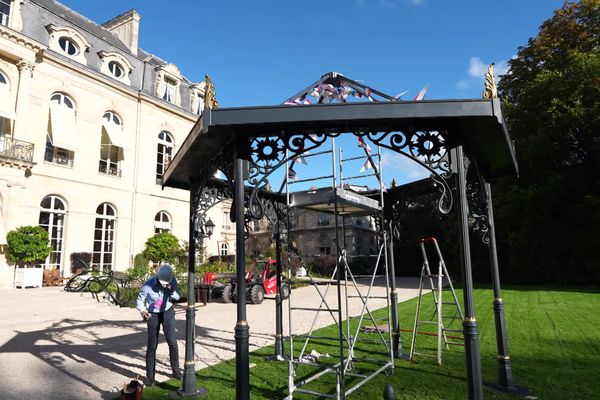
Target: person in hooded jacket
(155, 304)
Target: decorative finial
(209, 93)
(490, 91)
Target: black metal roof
(478, 125)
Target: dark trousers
(167, 320)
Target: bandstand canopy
(477, 125)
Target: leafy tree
(548, 221)
(28, 244)
(163, 247)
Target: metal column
(188, 382)
(505, 381)
(242, 331)
(470, 329)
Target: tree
(163, 247)
(28, 245)
(548, 221)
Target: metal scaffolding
(342, 203)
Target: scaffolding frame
(347, 365)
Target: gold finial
(209, 93)
(490, 91)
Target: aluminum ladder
(442, 321)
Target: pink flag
(364, 145)
(421, 95)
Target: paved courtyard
(59, 345)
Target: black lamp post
(188, 383)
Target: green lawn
(554, 341)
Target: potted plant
(28, 245)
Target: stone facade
(88, 122)
(313, 234)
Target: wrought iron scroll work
(478, 207)
(205, 197)
(425, 147)
(268, 153)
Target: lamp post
(188, 383)
(280, 236)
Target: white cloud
(401, 168)
(477, 70)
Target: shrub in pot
(28, 245)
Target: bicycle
(78, 282)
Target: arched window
(224, 248)
(3, 81)
(164, 153)
(6, 105)
(104, 237)
(111, 144)
(116, 69)
(162, 222)
(68, 46)
(52, 218)
(60, 142)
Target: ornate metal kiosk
(247, 144)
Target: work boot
(177, 374)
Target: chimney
(126, 27)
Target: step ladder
(443, 317)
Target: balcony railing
(16, 149)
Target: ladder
(439, 319)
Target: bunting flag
(300, 160)
(421, 95)
(367, 165)
(297, 101)
(368, 94)
(364, 145)
(399, 95)
(292, 174)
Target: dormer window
(115, 65)
(168, 79)
(169, 94)
(115, 69)
(5, 11)
(68, 46)
(68, 41)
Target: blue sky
(261, 52)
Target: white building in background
(88, 123)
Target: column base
(519, 391)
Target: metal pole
(278, 305)
(242, 331)
(504, 371)
(341, 385)
(397, 340)
(470, 329)
(188, 382)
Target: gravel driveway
(59, 345)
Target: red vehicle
(261, 280)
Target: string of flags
(367, 165)
(327, 92)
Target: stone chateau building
(88, 124)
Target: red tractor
(261, 280)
